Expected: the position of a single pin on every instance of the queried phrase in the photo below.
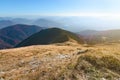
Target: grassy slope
(101, 62)
(51, 62)
(49, 36)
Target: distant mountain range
(12, 35)
(22, 21)
(39, 22)
(49, 36)
(47, 23)
(12, 30)
(73, 23)
(26, 35)
(5, 23)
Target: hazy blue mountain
(47, 23)
(12, 35)
(5, 23)
(22, 21)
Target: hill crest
(50, 36)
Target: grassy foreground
(61, 62)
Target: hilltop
(50, 36)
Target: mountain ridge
(49, 36)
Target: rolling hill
(49, 36)
(12, 35)
(108, 36)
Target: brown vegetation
(61, 62)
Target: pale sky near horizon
(94, 8)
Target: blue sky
(60, 7)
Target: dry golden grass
(61, 62)
(103, 61)
(28, 62)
